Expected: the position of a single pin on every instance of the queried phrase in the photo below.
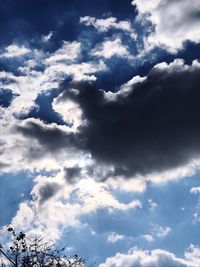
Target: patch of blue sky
(169, 222)
(44, 110)
(6, 97)
(14, 189)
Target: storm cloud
(50, 137)
(72, 174)
(153, 127)
(148, 125)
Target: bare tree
(35, 252)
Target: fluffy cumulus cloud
(157, 257)
(110, 48)
(174, 21)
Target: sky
(100, 126)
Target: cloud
(157, 232)
(148, 238)
(195, 190)
(47, 191)
(14, 50)
(32, 78)
(152, 205)
(160, 231)
(196, 214)
(175, 22)
(46, 38)
(83, 71)
(69, 110)
(38, 146)
(69, 51)
(104, 25)
(193, 254)
(110, 48)
(111, 144)
(72, 174)
(160, 258)
(114, 237)
(148, 129)
(43, 72)
(50, 137)
(142, 129)
(64, 202)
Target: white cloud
(134, 184)
(51, 198)
(148, 238)
(160, 231)
(31, 82)
(78, 71)
(195, 190)
(174, 21)
(15, 50)
(69, 51)
(46, 38)
(196, 214)
(125, 89)
(110, 48)
(104, 25)
(26, 86)
(193, 254)
(152, 204)
(157, 231)
(70, 111)
(94, 194)
(114, 237)
(175, 174)
(146, 258)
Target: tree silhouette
(35, 252)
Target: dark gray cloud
(51, 138)
(3, 165)
(47, 191)
(72, 174)
(154, 128)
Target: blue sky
(99, 108)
